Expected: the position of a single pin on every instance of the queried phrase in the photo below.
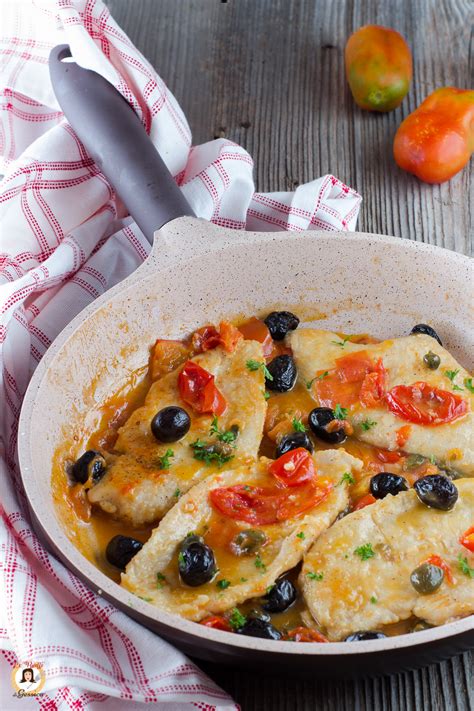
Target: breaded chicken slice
(353, 375)
(357, 574)
(153, 572)
(136, 488)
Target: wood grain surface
(269, 74)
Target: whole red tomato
(378, 67)
(436, 141)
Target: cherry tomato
(436, 141)
(425, 405)
(293, 468)
(205, 339)
(166, 356)
(440, 563)
(217, 622)
(197, 388)
(378, 67)
(372, 389)
(366, 500)
(267, 505)
(256, 330)
(229, 336)
(306, 634)
(356, 378)
(467, 539)
(385, 455)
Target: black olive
(91, 464)
(437, 491)
(363, 636)
(431, 360)
(170, 424)
(280, 322)
(386, 483)
(293, 441)
(248, 542)
(427, 578)
(280, 596)
(196, 562)
(283, 372)
(255, 627)
(318, 420)
(427, 330)
(121, 549)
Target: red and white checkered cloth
(65, 240)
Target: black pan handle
(115, 138)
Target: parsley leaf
(315, 576)
(164, 461)
(298, 426)
(160, 579)
(464, 566)
(373, 600)
(469, 385)
(181, 557)
(227, 436)
(367, 424)
(340, 413)
(256, 364)
(341, 343)
(451, 374)
(236, 619)
(209, 453)
(259, 563)
(177, 493)
(347, 478)
(223, 584)
(365, 552)
(317, 377)
(266, 394)
(301, 535)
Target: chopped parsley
(367, 424)
(269, 589)
(177, 493)
(209, 453)
(340, 413)
(301, 535)
(165, 459)
(243, 580)
(341, 343)
(298, 426)
(181, 557)
(464, 566)
(227, 436)
(256, 364)
(223, 584)
(365, 552)
(451, 375)
(237, 619)
(266, 394)
(318, 377)
(259, 563)
(469, 385)
(373, 600)
(160, 579)
(347, 478)
(315, 576)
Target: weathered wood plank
(270, 76)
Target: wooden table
(269, 74)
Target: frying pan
(198, 273)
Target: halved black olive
(121, 549)
(283, 372)
(170, 424)
(247, 542)
(90, 465)
(280, 322)
(364, 636)
(293, 441)
(386, 483)
(431, 360)
(196, 562)
(437, 491)
(318, 420)
(255, 627)
(280, 596)
(427, 330)
(427, 578)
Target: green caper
(247, 542)
(431, 360)
(427, 578)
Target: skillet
(196, 273)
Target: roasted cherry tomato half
(306, 634)
(217, 622)
(378, 67)
(256, 330)
(467, 539)
(424, 404)
(197, 388)
(293, 468)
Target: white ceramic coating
(197, 273)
